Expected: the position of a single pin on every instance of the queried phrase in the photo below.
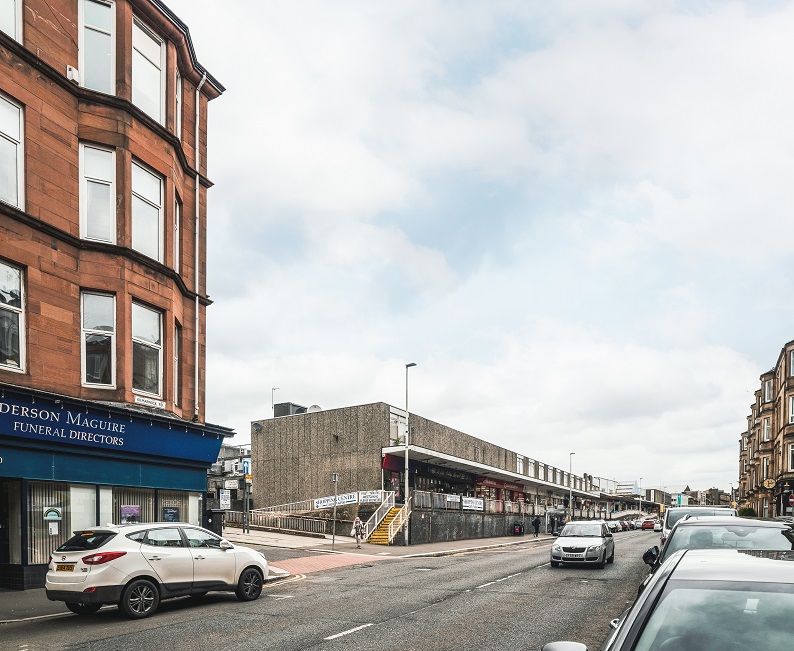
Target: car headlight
(555, 548)
(594, 548)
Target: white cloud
(575, 216)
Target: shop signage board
(473, 503)
(369, 496)
(344, 498)
(55, 422)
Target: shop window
(132, 505)
(49, 521)
(97, 46)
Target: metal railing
(275, 521)
(376, 518)
(293, 507)
(400, 519)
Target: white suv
(137, 565)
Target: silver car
(584, 541)
(138, 565)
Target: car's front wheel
(249, 587)
(83, 609)
(555, 563)
(611, 558)
(139, 599)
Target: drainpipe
(198, 259)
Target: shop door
(5, 520)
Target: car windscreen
(675, 515)
(730, 537)
(86, 541)
(581, 530)
(748, 617)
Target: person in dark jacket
(536, 525)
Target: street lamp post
(273, 400)
(570, 484)
(407, 434)
(640, 494)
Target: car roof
(723, 521)
(746, 565)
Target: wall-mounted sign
(369, 496)
(149, 402)
(226, 498)
(473, 503)
(344, 498)
(231, 484)
(53, 513)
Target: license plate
(65, 567)
(573, 555)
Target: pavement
(320, 554)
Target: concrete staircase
(381, 534)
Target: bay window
(12, 324)
(147, 212)
(147, 350)
(97, 45)
(11, 158)
(99, 339)
(97, 194)
(147, 71)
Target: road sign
(791, 499)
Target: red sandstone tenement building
(766, 447)
(103, 221)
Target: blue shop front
(69, 464)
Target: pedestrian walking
(536, 525)
(358, 531)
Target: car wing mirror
(651, 556)
(225, 544)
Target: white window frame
(177, 375)
(82, 47)
(16, 20)
(18, 141)
(142, 31)
(147, 200)
(519, 464)
(791, 457)
(149, 344)
(110, 182)
(767, 428)
(177, 233)
(90, 331)
(744, 443)
(791, 363)
(768, 391)
(178, 108)
(791, 409)
(766, 467)
(20, 311)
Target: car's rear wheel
(249, 587)
(83, 609)
(139, 599)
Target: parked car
(675, 513)
(657, 525)
(584, 541)
(709, 600)
(722, 533)
(648, 523)
(138, 565)
(614, 526)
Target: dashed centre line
(348, 632)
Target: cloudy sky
(575, 217)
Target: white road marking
(348, 632)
